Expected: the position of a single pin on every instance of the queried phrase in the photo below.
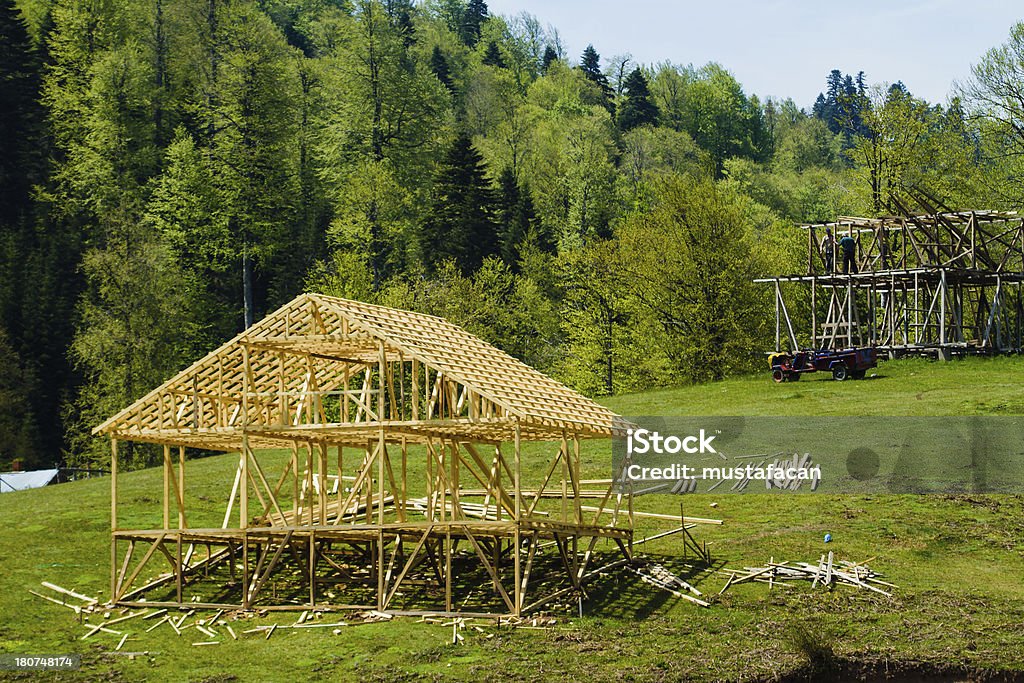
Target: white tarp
(19, 481)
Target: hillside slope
(957, 560)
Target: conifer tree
(460, 224)
(550, 57)
(439, 65)
(492, 56)
(590, 65)
(638, 108)
(472, 20)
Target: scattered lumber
(658, 576)
(65, 591)
(827, 572)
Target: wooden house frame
(403, 439)
(942, 283)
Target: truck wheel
(839, 372)
(779, 376)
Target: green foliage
(590, 66)
(439, 65)
(460, 225)
(518, 225)
(473, 18)
(994, 96)
(710, 105)
(17, 423)
(134, 334)
(508, 310)
(637, 109)
(691, 261)
(909, 144)
(179, 167)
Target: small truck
(842, 363)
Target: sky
(786, 48)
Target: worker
(849, 246)
(828, 246)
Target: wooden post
(243, 501)
(179, 573)
(181, 486)
(245, 569)
(778, 320)
(113, 517)
(309, 482)
(341, 480)
(167, 486)
(849, 312)
(113, 484)
(322, 491)
(517, 569)
(814, 313)
(295, 481)
(942, 307)
(312, 567)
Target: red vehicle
(841, 363)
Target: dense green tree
(460, 224)
(492, 56)
(550, 56)
(596, 318)
(518, 225)
(135, 328)
(439, 65)
(690, 263)
(386, 108)
(720, 117)
(473, 18)
(26, 294)
(590, 65)
(17, 423)
(995, 97)
(637, 108)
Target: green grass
(959, 562)
(975, 386)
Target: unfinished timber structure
(387, 460)
(943, 283)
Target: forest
(172, 170)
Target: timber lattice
(942, 283)
(379, 421)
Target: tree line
(172, 170)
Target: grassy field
(959, 562)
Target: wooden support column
(113, 517)
(341, 479)
(113, 484)
(312, 567)
(814, 313)
(381, 376)
(322, 471)
(179, 570)
(295, 481)
(245, 570)
(167, 486)
(181, 488)
(778, 320)
(849, 312)
(942, 307)
(243, 501)
(309, 483)
(517, 569)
